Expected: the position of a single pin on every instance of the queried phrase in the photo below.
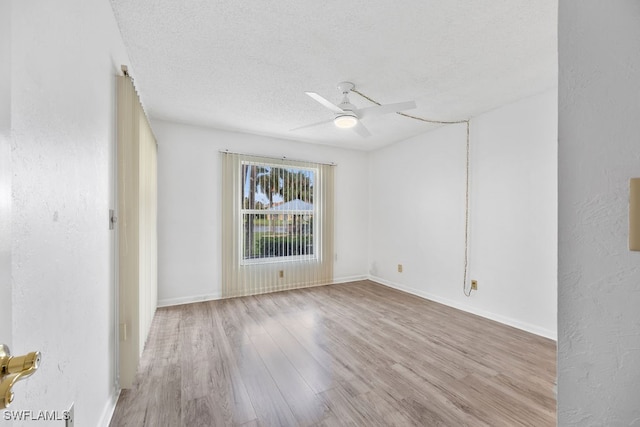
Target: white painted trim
(349, 279)
(187, 300)
(470, 309)
(109, 409)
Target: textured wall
(417, 214)
(599, 150)
(189, 196)
(65, 57)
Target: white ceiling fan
(347, 116)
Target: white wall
(189, 211)
(417, 190)
(65, 58)
(5, 174)
(599, 150)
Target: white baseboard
(348, 279)
(187, 300)
(167, 302)
(534, 329)
(109, 408)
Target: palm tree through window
(277, 213)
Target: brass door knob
(14, 369)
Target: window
(277, 213)
(277, 224)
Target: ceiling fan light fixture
(345, 121)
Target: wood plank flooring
(355, 354)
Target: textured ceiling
(245, 64)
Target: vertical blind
(137, 228)
(277, 224)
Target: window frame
(315, 214)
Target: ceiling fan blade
(312, 125)
(378, 110)
(361, 130)
(331, 106)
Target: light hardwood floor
(357, 354)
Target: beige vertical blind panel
(137, 228)
(278, 224)
(148, 228)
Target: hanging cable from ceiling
(467, 177)
(466, 214)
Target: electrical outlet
(281, 274)
(399, 268)
(474, 285)
(69, 420)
